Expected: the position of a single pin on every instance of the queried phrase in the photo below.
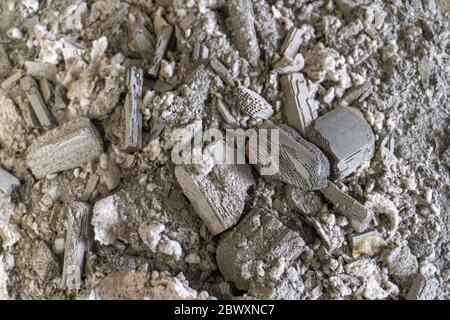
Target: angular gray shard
(41, 70)
(78, 243)
(40, 109)
(11, 81)
(346, 138)
(162, 45)
(252, 103)
(359, 216)
(423, 288)
(161, 86)
(143, 40)
(292, 43)
(242, 20)
(358, 93)
(299, 108)
(201, 52)
(300, 163)
(8, 183)
(222, 71)
(226, 114)
(43, 262)
(258, 242)
(5, 64)
(66, 147)
(132, 111)
(218, 197)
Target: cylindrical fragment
(66, 147)
(254, 246)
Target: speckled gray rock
(346, 138)
(250, 250)
(43, 262)
(65, 147)
(423, 288)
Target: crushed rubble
(99, 100)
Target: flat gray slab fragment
(258, 241)
(346, 138)
(65, 147)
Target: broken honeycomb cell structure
(66, 147)
(218, 197)
(260, 240)
(252, 103)
(346, 138)
(299, 162)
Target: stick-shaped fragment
(299, 107)
(8, 183)
(222, 71)
(5, 64)
(243, 24)
(66, 147)
(297, 161)
(252, 103)
(360, 217)
(358, 93)
(162, 44)
(133, 112)
(291, 43)
(78, 243)
(40, 109)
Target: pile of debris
(100, 100)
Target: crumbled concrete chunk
(242, 20)
(299, 108)
(346, 138)
(133, 113)
(107, 219)
(250, 250)
(150, 234)
(40, 109)
(43, 262)
(66, 147)
(8, 183)
(12, 126)
(252, 103)
(369, 243)
(401, 263)
(299, 162)
(218, 198)
(360, 217)
(423, 288)
(78, 243)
